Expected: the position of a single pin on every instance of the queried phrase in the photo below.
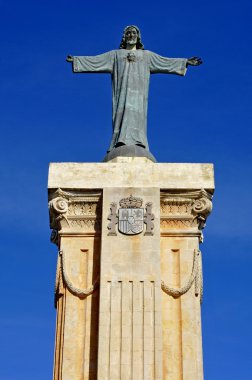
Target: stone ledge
(134, 173)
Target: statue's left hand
(69, 58)
(194, 61)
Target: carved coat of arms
(131, 217)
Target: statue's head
(131, 36)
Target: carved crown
(131, 202)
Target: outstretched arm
(159, 64)
(102, 63)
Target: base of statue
(129, 279)
(129, 151)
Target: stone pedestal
(129, 284)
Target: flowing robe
(130, 72)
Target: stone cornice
(184, 213)
(74, 213)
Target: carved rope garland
(61, 271)
(195, 277)
(58, 281)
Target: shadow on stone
(129, 151)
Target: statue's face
(131, 36)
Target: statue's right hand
(69, 58)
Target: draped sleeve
(102, 63)
(159, 64)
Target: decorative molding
(202, 208)
(74, 212)
(184, 212)
(60, 205)
(87, 208)
(178, 223)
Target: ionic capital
(184, 213)
(74, 213)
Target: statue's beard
(132, 41)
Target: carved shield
(131, 220)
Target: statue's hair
(139, 44)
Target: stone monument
(129, 273)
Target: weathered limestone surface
(130, 298)
(138, 295)
(139, 173)
(76, 222)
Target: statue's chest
(132, 61)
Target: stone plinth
(136, 172)
(128, 295)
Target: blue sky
(49, 114)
